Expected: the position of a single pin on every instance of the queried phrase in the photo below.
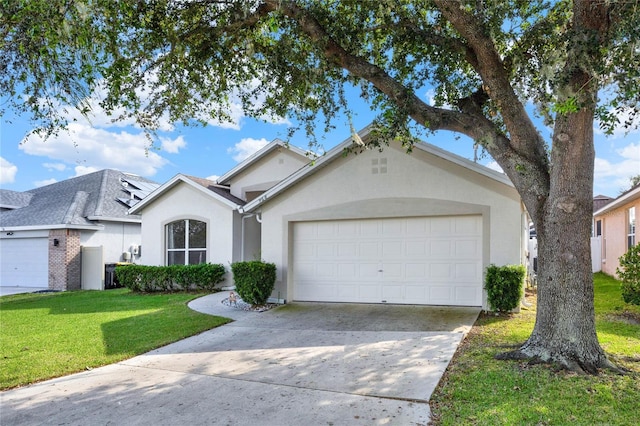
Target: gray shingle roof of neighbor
(79, 201)
(14, 199)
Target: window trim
(631, 227)
(187, 249)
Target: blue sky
(213, 150)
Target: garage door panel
(440, 249)
(467, 248)
(423, 260)
(467, 294)
(369, 270)
(415, 271)
(25, 262)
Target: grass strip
(53, 334)
(479, 390)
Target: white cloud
(246, 147)
(60, 167)
(616, 174)
(8, 171)
(84, 170)
(493, 165)
(213, 177)
(97, 149)
(45, 182)
(172, 146)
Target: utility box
(110, 279)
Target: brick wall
(64, 259)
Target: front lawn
(52, 334)
(479, 390)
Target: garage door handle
(380, 270)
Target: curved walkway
(301, 363)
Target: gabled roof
(364, 134)
(270, 147)
(77, 202)
(626, 197)
(207, 187)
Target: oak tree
(491, 63)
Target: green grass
(479, 390)
(53, 334)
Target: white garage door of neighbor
(421, 260)
(25, 262)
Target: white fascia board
(257, 156)
(48, 227)
(624, 198)
(132, 219)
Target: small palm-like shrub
(629, 275)
(254, 280)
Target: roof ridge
(78, 204)
(101, 195)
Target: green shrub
(629, 273)
(254, 280)
(147, 279)
(505, 286)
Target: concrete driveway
(303, 363)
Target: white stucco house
(371, 227)
(60, 236)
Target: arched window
(186, 242)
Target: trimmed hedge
(148, 279)
(254, 280)
(505, 286)
(629, 273)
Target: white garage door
(24, 262)
(422, 260)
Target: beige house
(615, 224)
(367, 227)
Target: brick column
(64, 259)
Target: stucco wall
(186, 202)
(614, 235)
(363, 185)
(266, 172)
(115, 239)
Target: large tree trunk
(565, 332)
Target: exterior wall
(115, 238)
(393, 184)
(64, 260)
(266, 172)
(186, 202)
(614, 235)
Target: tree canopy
(486, 61)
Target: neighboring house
(371, 227)
(615, 224)
(43, 231)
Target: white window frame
(631, 227)
(187, 246)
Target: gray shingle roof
(13, 199)
(73, 201)
(221, 190)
